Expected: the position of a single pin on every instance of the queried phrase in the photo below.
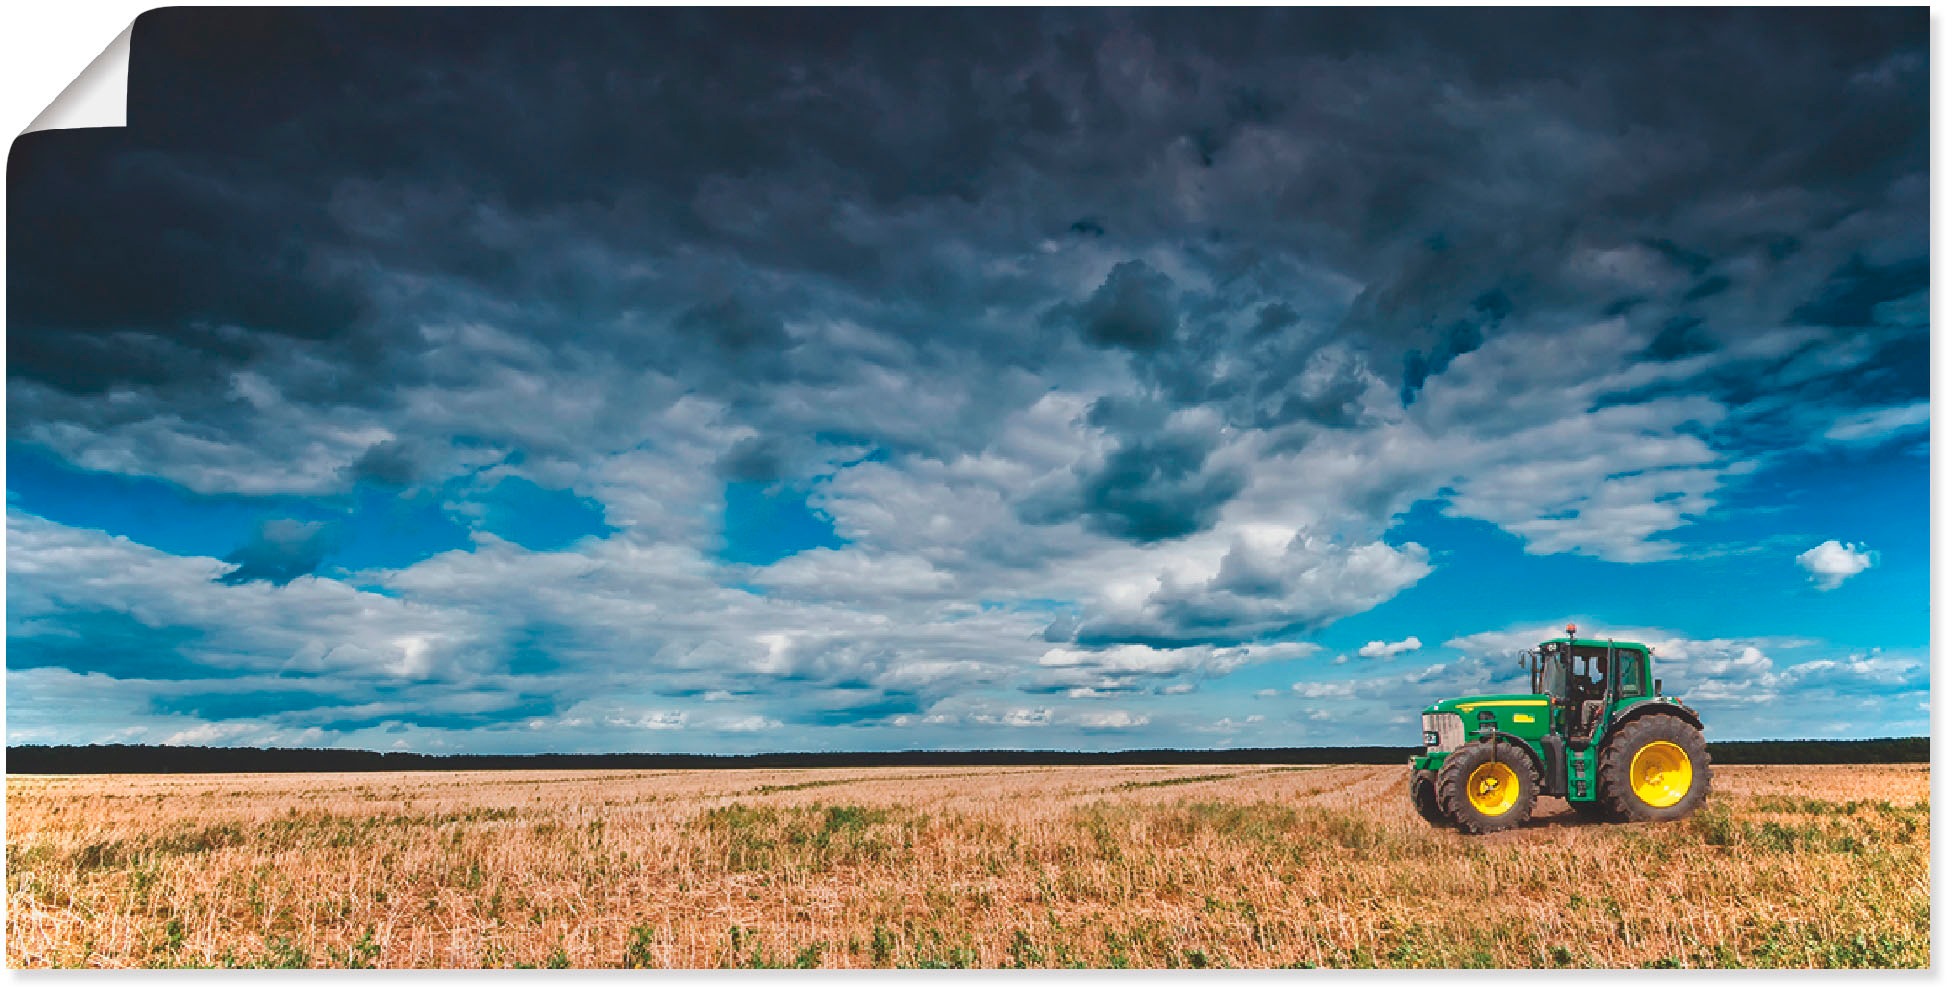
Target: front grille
(1449, 729)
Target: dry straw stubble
(962, 867)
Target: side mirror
(1657, 687)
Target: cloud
(1159, 481)
(1859, 673)
(1130, 666)
(653, 721)
(1113, 720)
(1830, 563)
(1878, 425)
(1021, 717)
(281, 551)
(1135, 308)
(1229, 724)
(1263, 580)
(747, 723)
(1378, 649)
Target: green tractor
(1595, 730)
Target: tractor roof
(1599, 643)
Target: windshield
(1578, 672)
(1553, 674)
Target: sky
(742, 381)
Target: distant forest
(82, 759)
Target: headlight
(1430, 738)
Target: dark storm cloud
(1680, 336)
(280, 189)
(1690, 261)
(1459, 338)
(1851, 296)
(1157, 487)
(1156, 483)
(757, 459)
(516, 709)
(629, 121)
(392, 463)
(281, 551)
(1136, 308)
(878, 708)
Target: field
(1130, 866)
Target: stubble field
(1129, 866)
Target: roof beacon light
(1571, 630)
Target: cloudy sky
(691, 381)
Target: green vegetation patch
(817, 837)
(808, 785)
(1176, 781)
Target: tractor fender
(1529, 748)
(1653, 705)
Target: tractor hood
(1524, 715)
(1470, 705)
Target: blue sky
(687, 381)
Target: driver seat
(1589, 716)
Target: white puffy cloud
(1860, 673)
(1379, 649)
(1830, 563)
(1022, 717)
(1113, 720)
(1100, 671)
(652, 720)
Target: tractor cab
(1583, 679)
(1593, 729)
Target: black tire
(1423, 794)
(1616, 768)
(1453, 785)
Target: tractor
(1595, 730)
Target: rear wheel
(1654, 769)
(1483, 788)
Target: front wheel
(1423, 795)
(1485, 787)
(1655, 769)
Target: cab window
(1633, 667)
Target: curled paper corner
(99, 96)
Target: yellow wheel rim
(1661, 774)
(1492, 789)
